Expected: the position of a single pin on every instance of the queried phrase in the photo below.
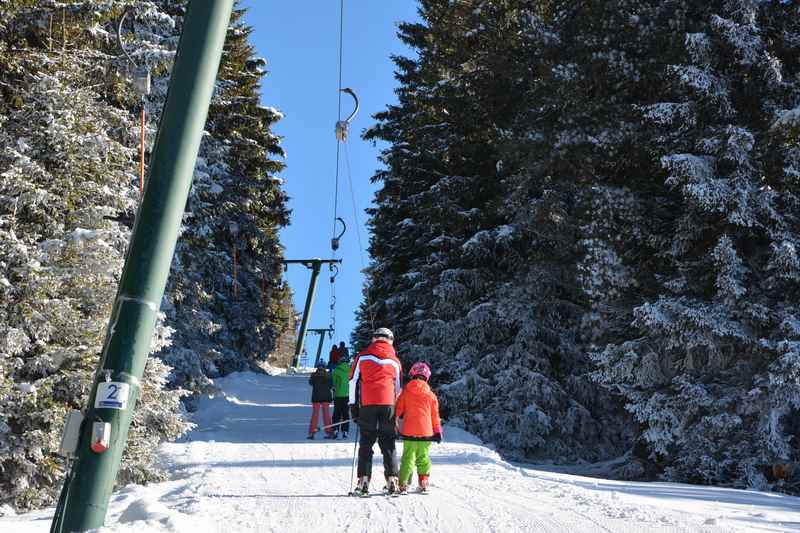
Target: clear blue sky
(300, 39)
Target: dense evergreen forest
(69, 151)
(588, 223)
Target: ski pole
(353, 468)
(340, 423)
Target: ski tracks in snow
(281, 482)
(297, 485)
(248, 468)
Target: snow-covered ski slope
(247, 467)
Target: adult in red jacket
(374, 388)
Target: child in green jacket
(341, 393)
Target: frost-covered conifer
(701, 340)
(642, 209)
(225, 299)
(66, 172)
(67, 197)
(472, 245)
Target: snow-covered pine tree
(235, 209)
(67, 165)
(708, 360)
(584, 193)
(72, 256)
(431, 175)
(283, 353)
(439, 185)
(457, 229)
(542, 388)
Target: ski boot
(330, 436)
(344, 434)
(423, 484)
(362, 487)
(310, 436)
(402, 488)
(392, 486)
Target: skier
(333, 357)
(343, 351)
(341, 395)
(320, 400)
(419, 409)
(378, 371)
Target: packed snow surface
(248, 467)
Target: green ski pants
(415, 452)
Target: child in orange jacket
(419, 408)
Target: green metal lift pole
(147, 266)
(312, 290)
(315, 265)
(319, 348)
(321, 333)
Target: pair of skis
(385, 492)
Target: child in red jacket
(419, 408)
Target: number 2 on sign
(112, 395)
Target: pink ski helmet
(420, 369)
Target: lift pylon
(321, 333)
(315, 265)
(112, 399)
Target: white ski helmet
(383, 333)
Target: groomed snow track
(247, 467)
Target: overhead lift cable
(334, 237)
(370, 309)
(355, 208)
(342, 134)
(315, 264)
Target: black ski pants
(376, 422)
(340, 414)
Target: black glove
(437, 437)
(354, 411)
